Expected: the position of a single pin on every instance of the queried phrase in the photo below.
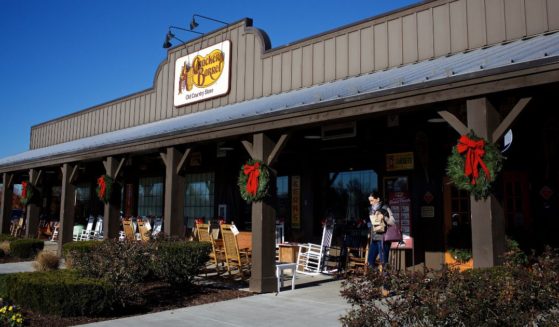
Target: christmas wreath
(27, 192)
(468, 157)
(254, 178)
(104, 187)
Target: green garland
(263, 182)
(482, 188)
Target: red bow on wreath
(253, 171)
(474, 152)
(24, 190)
(102, 186)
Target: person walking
(379, 214)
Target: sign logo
(202, 75)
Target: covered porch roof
(529, 56)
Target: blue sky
(61, 56)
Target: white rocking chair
(310, 260)
(87, 232)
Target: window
(150, 196)
(83, 203)
(347, 195)
(199, 197)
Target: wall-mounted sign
(427, 212)
(203, 74)
(399, 161)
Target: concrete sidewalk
(8, 268)
(315, 304)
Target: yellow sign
(202, 75)
(399, 161)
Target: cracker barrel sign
(202, 75)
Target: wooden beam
(10, 180)
(509, 119)
(164, 157)
(37, 177)
(454, 122)
(183, 160)
(277, 148)
(248, 146)
(119, 167)
(73, 174)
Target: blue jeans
(378, 248)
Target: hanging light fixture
(167, 44)
(194, 23)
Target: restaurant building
(374, 105)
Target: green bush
(25, 248)
(6, 237)
(77, 250)
(509, 295)
(60, 292)
(122, 264)
(78, 247)
(178, 262)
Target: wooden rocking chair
(128, 230)
(234, 258)
(217, 256)
(145, 232)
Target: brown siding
(395, 42)
(428, 30)
(380, 46)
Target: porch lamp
(194, 24)
(167, 44)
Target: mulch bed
(157, 297)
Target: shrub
(6, 237)
(501, 296)
(5, 247)
(25, 248)
(122, 264)
(60, 292)
(178, 262)
(46, 261)
(73, 250)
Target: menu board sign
(396, 193)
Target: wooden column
(173, 212)
(6, 205)
(263, 270)
(111, 211)
(67, 203)
(488, 222)
(33, 209)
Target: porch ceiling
(527, 56)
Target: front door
(516, 206)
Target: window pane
(347, 195)
(199, 197)
(150, 196)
